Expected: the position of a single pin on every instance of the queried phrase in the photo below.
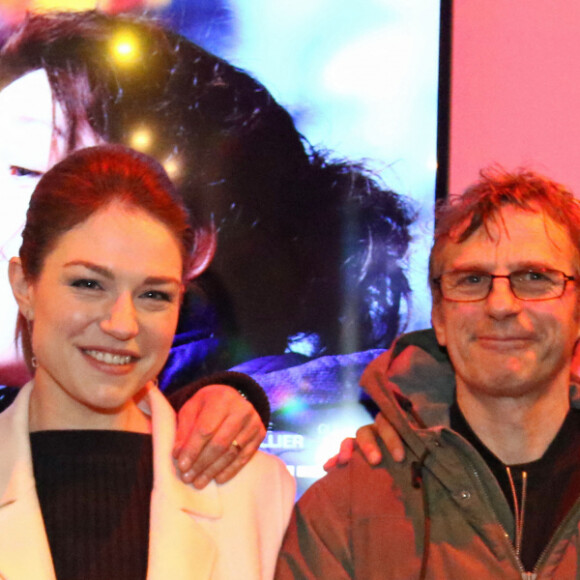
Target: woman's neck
(49, 413)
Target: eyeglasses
(532, 284)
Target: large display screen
(319, 263)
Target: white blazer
(223, 532)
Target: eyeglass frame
(565, 278)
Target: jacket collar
(24, 547)
(206, 502)
(178, 543)
(16, 474)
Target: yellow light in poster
(125, 48)
(141, 139)
(43, 5)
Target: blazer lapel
(24, 549)
(179, 547)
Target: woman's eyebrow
(162, 280)
(91, 266)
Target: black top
(94, 489)
(553, 482)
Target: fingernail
(201, 481)
(188, 476)
(184, 463)
(398, 456)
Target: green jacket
(368, 522)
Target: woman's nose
(121, 319)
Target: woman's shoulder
(269, 467)
(265, 478)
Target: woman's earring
(29, 317)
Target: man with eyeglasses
(490, 483)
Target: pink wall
(515, 92)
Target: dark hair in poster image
(308, 248)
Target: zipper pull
(529, 576)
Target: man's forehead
(514, 233)
(496, 223)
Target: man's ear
(203, 253)
(438, 323)
(21, 288)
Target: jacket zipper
(519, 509)
(525, 575)
(534, 574)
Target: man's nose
(501, 301)
(121, 319)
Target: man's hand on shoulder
(367, 440)
(218, 432)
